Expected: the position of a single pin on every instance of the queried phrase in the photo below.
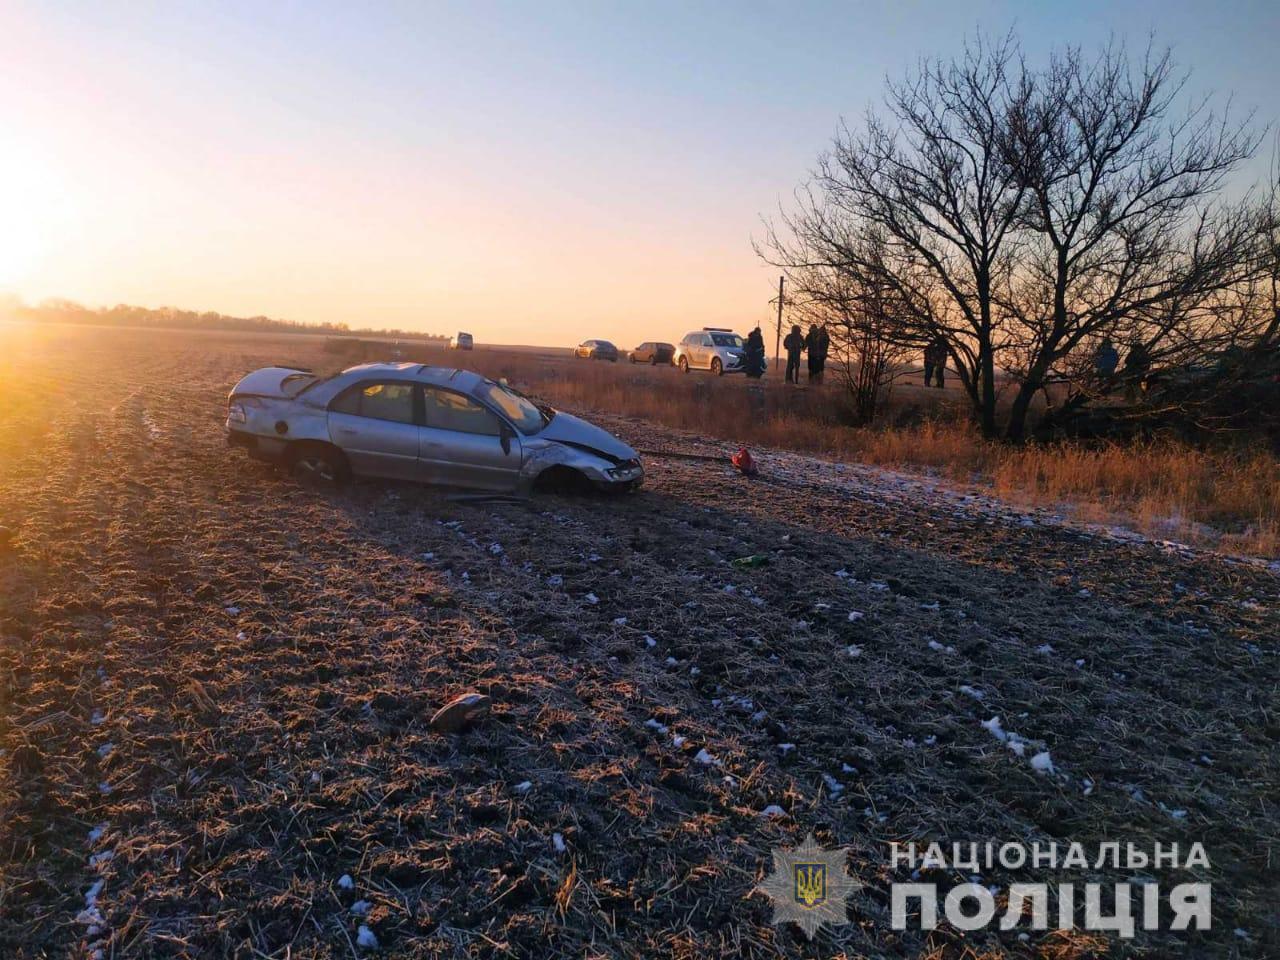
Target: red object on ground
(742, 460)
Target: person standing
(824, 347)
(794, 345)
(1136, 367)
(755, 362)
(1105, 361)
(813, 346)
(935, 362)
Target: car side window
(447, 410)
(378, 401)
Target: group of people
(1136, 365)
(817, 344)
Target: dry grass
(1224, 499)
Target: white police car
(717, 349)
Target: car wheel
(684, 364)
(653, 361)
(717, 367)
(317, 465)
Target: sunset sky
(532, 172)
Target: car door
(465, 444)
(376, 427)
(704, 350)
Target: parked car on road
(410, 421)
(652, 352)
(712, 348)
(461, 341)
(597, 350)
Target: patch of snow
(345, 882)
(361, 908)
(365, 939)
(557, 841)
(705, 758)
(855, 615)
(104, 751)
(96, 833)
(591, 598)
(773, 810)
(555, 580)
(1042, 762)
(649, 641)
(90, 915)
(523, 787)
(853, 650)
(786, 748)
(654, 724)
(935, 645)
(974, 692)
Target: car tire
(318, 465)
(717, 367)
(684, 364)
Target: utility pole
(777, 343)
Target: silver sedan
(409, 421)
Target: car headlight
(235, 412)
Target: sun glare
(33, 206)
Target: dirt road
(215, 687)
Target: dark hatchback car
(653, 352)
(597, 350)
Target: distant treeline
(124, 315)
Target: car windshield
(529, 417)
(726, 340)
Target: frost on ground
(272, 771)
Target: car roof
(453, 377)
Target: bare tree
(867, 333)
(1122, 232)
(1023, 215)
(932, 182)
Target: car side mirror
(505, 434)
